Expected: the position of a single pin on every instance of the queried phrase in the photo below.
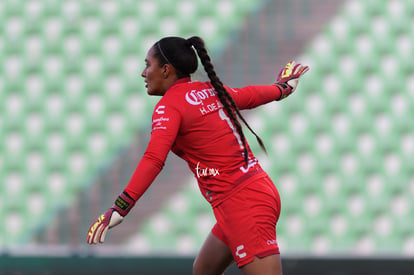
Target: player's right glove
(112, 217)
(288, 78)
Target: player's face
(153, 75)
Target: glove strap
(123, 204)
(285, 90)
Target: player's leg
(249, 218)
(214, 257)
(269, 265)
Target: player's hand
(112, 217)
(288, 77)
(97, 231)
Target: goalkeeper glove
(112, 217)
(288, 78)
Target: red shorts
(246, 222)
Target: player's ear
(167, 70)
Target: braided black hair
(181, 55)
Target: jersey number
(224, 117)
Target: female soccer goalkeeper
(199, 121)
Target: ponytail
(225, 98)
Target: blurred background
(75, 120)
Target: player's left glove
(112, 217)
(288, 78)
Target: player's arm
(166, 122)
(252, 96)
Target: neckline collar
(181, 80)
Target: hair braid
(225, 98)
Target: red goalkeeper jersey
(190, 121)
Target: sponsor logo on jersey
(197, 97)
(205, 172)
(158, 123)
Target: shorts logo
(271, 242)
(241, 255)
